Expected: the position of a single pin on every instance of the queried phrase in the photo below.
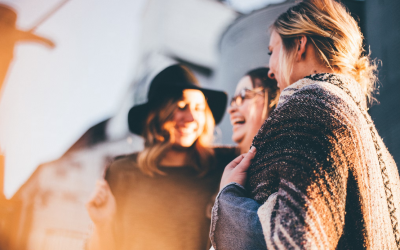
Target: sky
(52, 96)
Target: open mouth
(238, 121)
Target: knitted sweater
(322, 173)
(168, 212)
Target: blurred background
(70, 70)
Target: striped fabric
(322, 173)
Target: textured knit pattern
(322, 173)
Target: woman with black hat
(161, 197)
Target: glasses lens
(236, 100)
(233, 101)
(239, 100)
(245, 94)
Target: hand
(236, 170)
(102, 205)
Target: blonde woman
(319, 176)
(159, 198)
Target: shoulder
(225, 154)
(225, 151)
(304, 90)
(124, 162)
(120, 166)
(323, 104)
(324, 90)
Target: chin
(237, 140)
(184, 143)
(237, 137)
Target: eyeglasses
(245, 94)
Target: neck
(310, 70)
(308, 64)
(245, 144)
(321, 69)
(174, 158)
(243, 149)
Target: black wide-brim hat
(170, 83)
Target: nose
(232, 109)
(189, 115)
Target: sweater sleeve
(302, 158)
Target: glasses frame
(244, 94)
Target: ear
(301, 48)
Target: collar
(341, 82)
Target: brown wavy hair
(335, 35)
(157, 140)
(259, 78)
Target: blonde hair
(335, 35)
(157, 141)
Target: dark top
(169, 211)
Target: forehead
(244, 83)
(193, 96)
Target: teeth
(237, 120)
(186, 131)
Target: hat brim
(137, 116)
(216, 100)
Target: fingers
(100, 198)
(100, 194)
(236, 171)
(246, 161)
(235, 162)
(252, 152)
(103, 184)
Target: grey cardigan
(322, 177)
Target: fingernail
(252, 149)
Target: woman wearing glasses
(255, 98)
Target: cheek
(274, 62)
(255, 114)
(177, 116)
(169, 127)
(245, 110)
(202, 122)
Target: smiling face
(188, 120)
(247, 118)
(275, 47)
